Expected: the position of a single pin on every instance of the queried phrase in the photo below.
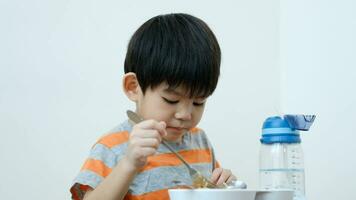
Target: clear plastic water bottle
(281, 154)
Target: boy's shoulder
(199, 137)
(116, 136)
(197, 131)
(124, 126)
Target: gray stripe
(87, 177)
(165, 177)
(103, 153)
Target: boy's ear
(131, 86)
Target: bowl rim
(229, 190)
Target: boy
(172, 66)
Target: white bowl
(211, 194)
(274, 195)
(229, 194)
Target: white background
(60, 85)
(318, 63)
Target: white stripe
(270, 131)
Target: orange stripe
(169, 159)
(114, 139)
(156, 195)
(97, 166)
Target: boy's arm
(115, 185)
(144, 140)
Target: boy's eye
(170, 101)
(198, 104)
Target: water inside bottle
(272, 179)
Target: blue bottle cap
(277, 130)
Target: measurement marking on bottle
(282, 170)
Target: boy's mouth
(176, 129)
(175, 134)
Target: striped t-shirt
(162, 171)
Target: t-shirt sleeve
(97, 166)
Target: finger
(153, 124)
(150, 142)
(231, 179)
(163, 131)
(148, 134)
(147, 151)
(224, 177)
(216, 175)
(149, 124)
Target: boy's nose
(184, 114)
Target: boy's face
(172, 106)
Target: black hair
(179, 49)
